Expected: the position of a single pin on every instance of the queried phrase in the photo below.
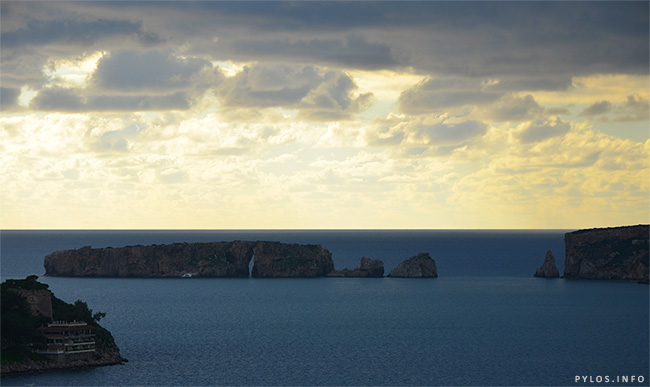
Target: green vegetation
(29, 283)
(79, 311)
(18, 324)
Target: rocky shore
(105, 357)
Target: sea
(485, 321)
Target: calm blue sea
(484, 321)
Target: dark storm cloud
(525, 46)
(547, 42)
(544, 43)
(74, 32)
(152, 70)
(353, 51)
(58, 99)
(22, 67)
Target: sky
(324, 115)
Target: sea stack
(548, 268)
(419, 266)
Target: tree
(19, 326)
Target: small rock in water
(548, 268)
(419, 266)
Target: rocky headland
(548, 268)
(419, 266)
(372, 268)
(619, 253)
(27, 305)
(218, 259)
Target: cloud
(422, 135)
(268, 85)
(541, 129)
(174, 101)
(452, 134)
(146, 71)
(172, 176)
(512, 108)
(333, 99)
(8, 97)
(596, 109)
(71, 100)
(24, 68)
(74, 32)
(316, 93)
(436, 94)
(58, 99)
(528, 46)
(531, 82)
(118, 140)
(352, 52)
(636, 108)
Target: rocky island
(218, 259)
(607, 253)
(41, 332)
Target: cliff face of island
(274, 259)
(218, 259)
(607, 253)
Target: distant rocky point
(548, 268)
(419, 266)
(373, 268)
(218, 259)
(608, 253)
